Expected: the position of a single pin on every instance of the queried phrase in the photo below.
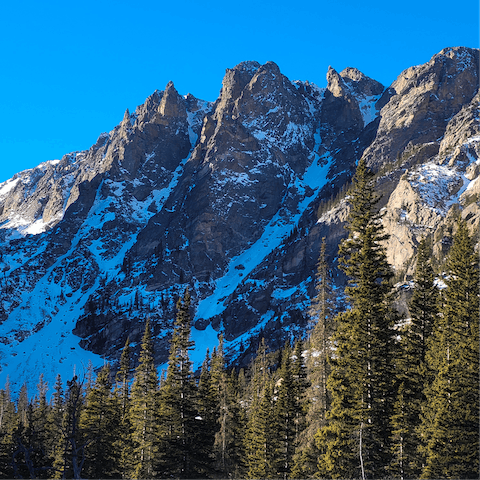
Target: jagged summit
(223, 197)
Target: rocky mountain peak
(360, 84)
(233, 83)
(172, 104)
(456, 66)
(354, 97)
(126, 123)
(335, 83)
(267, 76)
(426, 97)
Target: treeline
(367, 394)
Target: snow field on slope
(367, 108)
(435, 183)
(279, 227)
(54, 349)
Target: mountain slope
(223, 198)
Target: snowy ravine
(274, 233)
(239, 267)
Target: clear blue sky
(70, 69)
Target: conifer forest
(367, 393)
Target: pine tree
(30, 457)
(261, 441)
(144, 411)
(229, 440)
(54, 446)
(451, 422)
(8, 429)
(317, 399)
(100, 421)
(286, 413)
(70, 448)
(412, 369)
(207, 415)
(178, 399)
(124, 440)
(356, 439)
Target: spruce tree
(143, 411)
(41, 415)
(22, 404)
(317, 397)
(30, 457)
(207, 414)
(451, 421)
(412, 371)
(229, 440)
(319, 343)
(261, 440)
(124, 440)
(55, 445)
(8, 429)
(100, 422)
(70, 446)
(178, 408)
(356, 441)
(286, 414)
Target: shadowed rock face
(223, 198)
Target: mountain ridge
(223, 197)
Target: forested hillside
(365, 393)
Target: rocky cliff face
(224, 198)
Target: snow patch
(367, 108)
(8, 186)
(279, 227)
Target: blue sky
(70, 69)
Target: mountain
(230, 199)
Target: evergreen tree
(143, 411)
(260, 372)
(300, 386)
(286, 415)
(317, 399)
(41, 415)
(207, 415)
(54, 446)
(8, 429)
(69, 459)
(451, 422)
(229, 440)
(178, 398)
(31, 457)
(22, 405)
(356, 439)
(319, 342)
(260, 433)
(412, 369)
(261, 441)
(124, 440)
(100, 421)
